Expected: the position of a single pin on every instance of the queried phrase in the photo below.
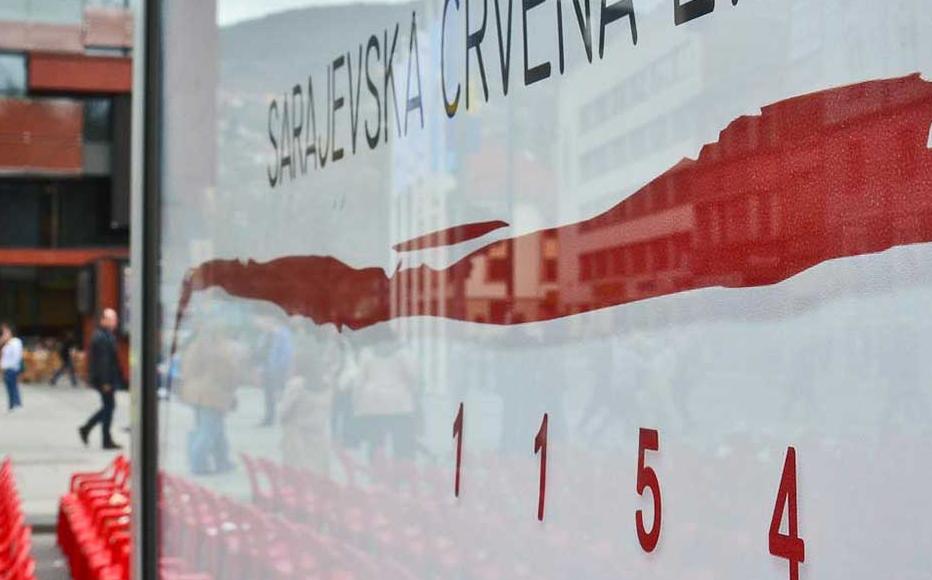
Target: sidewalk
(42, 439)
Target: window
(551, 270)
(585, 268)
(600, 265)
(97, 120)
(499, 270)
(12, 75)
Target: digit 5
(649, 440)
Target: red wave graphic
(837, 173)
(450, 236)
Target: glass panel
(461, 289)
(20, 220)
(12, 75)
(108, 3)
(98, 125)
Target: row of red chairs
(94, 523)
(240, 541)
(16, 563)
(94, 530)
(405, 513)
(402, 526)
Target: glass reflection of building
(733, 216)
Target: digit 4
(790, 545)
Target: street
(43, 441)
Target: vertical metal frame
(145, 258)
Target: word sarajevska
(300, 141)
(788, 546)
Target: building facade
(65, 83)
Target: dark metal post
(145, 236)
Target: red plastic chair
(261, 496)
(94, 520)
(16, 563)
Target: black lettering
(474, 41)
(504, 51)
(286, 138)
(447, 105)
(540, 71)
(354, 102)
(585, 27)
(619, 9)
(297, 126)
(373, 139)
(311, 133)
(560, 33)
(684, 11)
(321, 150)
(389, 77)
(273, 177)
(336, 153)
(412, 103)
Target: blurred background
(65, 92)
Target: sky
(233, 11)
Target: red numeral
(649, 441)
(540, 446)
(458, 435)
(789, 546)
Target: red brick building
(65, 81)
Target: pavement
(50, 564)
(42, 440)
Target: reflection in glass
(727, 246)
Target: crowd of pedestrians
(104, 371)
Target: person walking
(211, 370)
(279, 358)
(11, 363)
(105, 376)
(304, 414)
(65, 349)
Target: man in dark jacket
(105, 375)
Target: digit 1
(649, 440)
(540, 446)
(789, 546)
(458, 435)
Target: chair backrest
(252, 474)
(269, 468)
(121, 470)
